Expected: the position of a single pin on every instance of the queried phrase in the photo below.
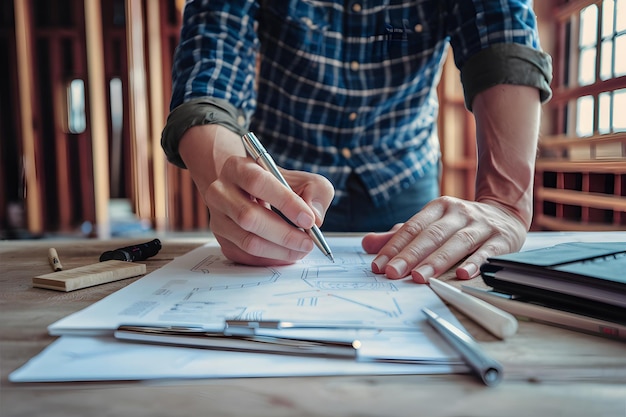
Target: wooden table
(548, 371)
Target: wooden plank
(89, 275)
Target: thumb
(373, 242)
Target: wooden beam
(565, 94)
(157, 112)
(554, 223)
(582, 199)
(138, 111)
(62, 163)
(613, 166)
(567, 141)
(98, 116)
(23, 40)
(572, 7)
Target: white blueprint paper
(103, 358)
(202, 288)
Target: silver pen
(487, 369)
(218, 339)
(256, 150)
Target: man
(343, 95)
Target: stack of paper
(314, 300)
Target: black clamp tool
(133, 253)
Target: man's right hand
(239, 193)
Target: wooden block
(89, 275)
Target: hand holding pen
(239, 193)
(255, 149)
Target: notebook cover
(594, 266)
(599, 265)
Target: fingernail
(470, 270)
(399, 266)
(319, 209)
(304, 220)
(422, 274)
(379, 263)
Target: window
(580, 179)
(593, 71)
(76, 117)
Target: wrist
(523, 212)
(205, 148)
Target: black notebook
(588, 278)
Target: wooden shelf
(553, 223)
(613, 166)
(580, 195)
(563, 141)
(581, 198)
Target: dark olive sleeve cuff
(199, 111)
(507, 63)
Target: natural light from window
(602, 30)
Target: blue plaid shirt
(342, 86)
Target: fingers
(510, 239)
(317, 192)
(408, 246)
(240, 203)
(374, 242)
(262, 185)
(429, 249)
(248, 248)
(444, 233)
(449, 253)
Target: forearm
(213, 72)
(507, 129)
(205, 148)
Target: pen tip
(331, 257)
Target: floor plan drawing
(203, 289)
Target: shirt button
(356, 8)
(354, 65)
(346, 153)
(352, 116)
(241, 120)
(418, 28)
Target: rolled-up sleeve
(213, 72)
(496, 42)
(199, 111)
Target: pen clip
(254, 326)
(251, 324)
(260, 155)
(253, 146)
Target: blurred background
(84, 94)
